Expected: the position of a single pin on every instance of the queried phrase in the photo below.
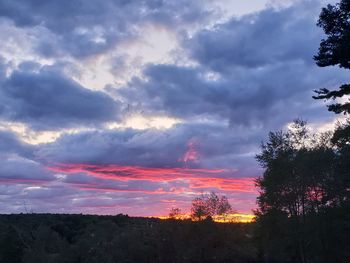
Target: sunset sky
(130, 106)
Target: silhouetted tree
(175, 212)
(335, 50)
(341, 141)
(209, 205)
(224, 206)
(304, 186)
(199, 209)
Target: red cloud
(191, 155)
(196, 178)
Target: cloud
(18, 164)
(39, 179)
(153, 181)
(47, 100)
(93, 27)
(256, 40)
(17, 170)
(249, 97)
(10, 144)
(249, 71)
(217, 146)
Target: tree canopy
(304, 201)
(335, 50)
(209, 205)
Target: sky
(136, 107)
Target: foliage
(60, 238)
(175, 212)
(209, 205)
(335, 50)
(304, 203)
(304, 185)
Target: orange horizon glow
(229, 218)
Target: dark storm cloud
(263, 72)
(46, 99)
(256, 40)
(85, 28)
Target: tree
(335, 50)
(175, 213)
(224, 206)
(209, 205)
(199, 209)
(341, 142)
(301, 188)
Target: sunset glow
(170, 185)
(229, 218)
(196, 178)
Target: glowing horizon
(192, 181)
(228, 218)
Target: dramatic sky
(135, 106)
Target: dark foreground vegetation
(46, 238)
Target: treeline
(48, 238)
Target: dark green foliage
(335, 50)
(11, 244)
(49, 238)
(335, 21)
(304, 202)
(336, 107)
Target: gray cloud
(46, 100)
(15, 169)
(18, 164)
(10, 144)
(85, 28)
(248, 97)
(256, 40)
(217, 146)
(262, 66)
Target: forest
(50, 238)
